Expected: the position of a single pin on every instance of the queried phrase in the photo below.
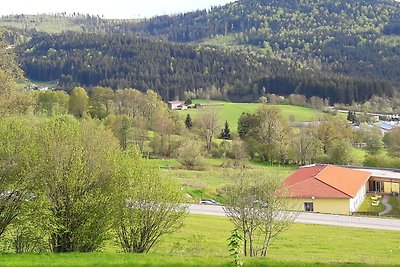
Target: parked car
(209, 201)
(261, 204)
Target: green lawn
(395, 202)
(367, 207)
(231, 111)
(202, 242)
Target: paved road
(315, 218)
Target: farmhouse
(327, 188)
(176, 105)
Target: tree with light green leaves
(51, 103)
(101, 102)
(78, 102)
(18, 167)
(77, 182)
(151, 206)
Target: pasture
(231, 112)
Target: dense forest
(127, 61)
(342, 50)
(120, 61)
(347, 37)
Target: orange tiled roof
(326, 181)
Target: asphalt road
(316, 218)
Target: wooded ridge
(345, 51)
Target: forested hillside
(128, 61)
(347, 37)
(120, 61)
(342, 50)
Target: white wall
(358, 199)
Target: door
(378, 186)
(308, 206)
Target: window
(308, 206)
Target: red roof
(326, 181)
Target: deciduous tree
(101, 99)
(208, 125)
(151, 206)
(78, 102)
(333, 129)
(18, 167)
(190, 153)
(258, 205)
(392, 141)
(77, 181)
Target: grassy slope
(202, 242)
(42, 23)
(232, 111)
(221, 40)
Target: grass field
(43, 23)
(231, 111)
(202, 242)
(22, 84)
(221, 40)
(210, 182)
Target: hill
(120, 61)
(342, 50)
(62, 22)
(355, 38)
(123, 61)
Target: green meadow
(24, 83)
(42, 23)
(231, 112)
(212, 179)
(202, 242)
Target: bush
(190, 154)
(381, 160)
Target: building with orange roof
(328, 188)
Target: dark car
(209, 201)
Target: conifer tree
(226, 132)
(188, 122)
